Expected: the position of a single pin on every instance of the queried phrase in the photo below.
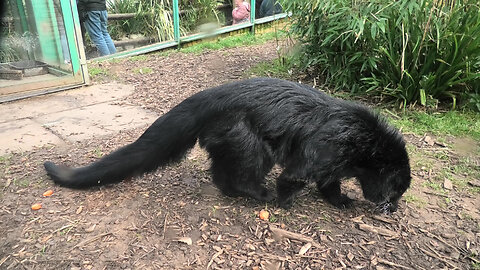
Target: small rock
(447, 184)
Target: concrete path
(68, 116)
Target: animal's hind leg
(240, 161)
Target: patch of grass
(461, 172)
(22, 182)
(412, 199)
(475, 266)
(5, 159)
(232, 42)
(141, 57)
(114, 60)
(274, 68)
(98, 152)
(453, 123)
(272, 218)
(96, 71)
(436, 186)
(143, 70)
(165, 52)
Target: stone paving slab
(95, 120)
(68, 116)
(24, 135)
(62, 101)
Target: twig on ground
(4, 260)
(220, 252)
(437, 257)
(378, 230)
(436, 194)
(165, 225)
(88, 241)
(279, 234)
(383, 219)
(382, 261)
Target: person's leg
(106, 35)
(94, 28)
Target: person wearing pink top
(241, 12)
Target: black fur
(248, 126)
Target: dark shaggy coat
(250, 125)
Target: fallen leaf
(305, 248)
(91, 228)
(350, 256)
(186, 240)
(79, 210)
(267, 265)
(429, 140)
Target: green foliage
(8, 54)
(276, 68)
(413, 50)
(154, 18)
(473, 101)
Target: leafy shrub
(413, 50)
(154, 18)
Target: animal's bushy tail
(166, 140)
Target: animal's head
(385, 187)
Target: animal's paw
(266, 195)
(285, 203)
(342, 202)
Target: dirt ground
(175, 218)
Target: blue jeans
(96, 26)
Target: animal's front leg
(287, 187)
(333, 194)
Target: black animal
(250, 125)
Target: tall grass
(412, 50)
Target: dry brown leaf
(91, 228)
(268, 265)
(305, 248)
(350, 256)
(79, 209)
(429, 140)
(379, 230)
(186, 240)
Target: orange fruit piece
(36, 206)
(48, 193)
(264, 214)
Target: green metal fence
(179, 39)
